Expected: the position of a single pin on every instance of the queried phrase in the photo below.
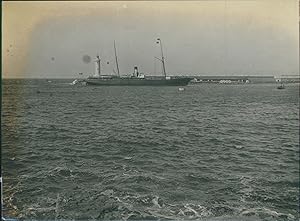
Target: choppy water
(212, 152)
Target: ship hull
(138, 82)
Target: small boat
(74, 82)
(281, 86)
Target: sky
(53, 39)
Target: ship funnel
(136, 72)
(97, 66)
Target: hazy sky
(49, 39)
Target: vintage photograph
(150, 110)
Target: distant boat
(136, 78)
(74, 82)
(281, 86)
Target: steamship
(136, 78)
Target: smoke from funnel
(86, 59)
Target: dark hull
(138, 82)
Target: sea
(209, 152)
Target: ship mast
(97, 66)
(162, 56)
(116, 58)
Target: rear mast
(162, 57)
(116, 58)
